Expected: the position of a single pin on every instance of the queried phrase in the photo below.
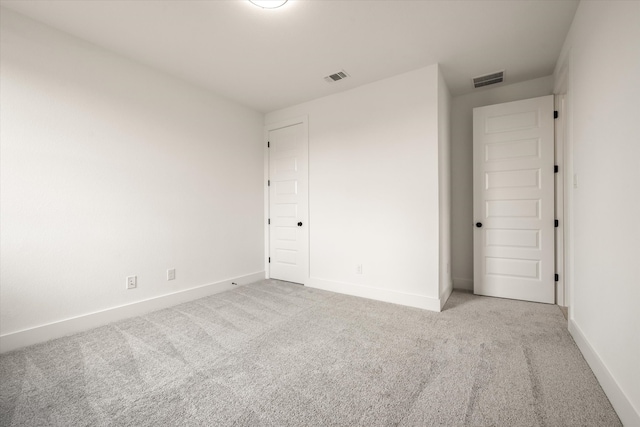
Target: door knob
(300, 224)
(478, 224)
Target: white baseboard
(386, 295)
(466, 284)
(629, 415)
(444, 296)
(87, 321)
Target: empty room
(319, 213)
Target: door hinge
(270, 262)
(268, 183)
(268, 144)
(557, 278)
(557, 223)
(556, 169)
(555, 114)
(269, 221)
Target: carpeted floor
(279, 354)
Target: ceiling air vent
(488, 79)
(337, 76)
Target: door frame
(559, 125)
(565, 181)
(304, 121)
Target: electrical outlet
(359, 269)
(171, 274)
(132, 282)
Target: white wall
(111, 169)
(374, 188)
(462, 166)
(602, 51)
(444, 191)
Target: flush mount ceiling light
(268, 4)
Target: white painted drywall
(444, 190)
(373, 188)
(462, 166)
(111, 169)
(603, 91)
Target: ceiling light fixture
(268, 4)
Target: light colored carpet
(279, 354)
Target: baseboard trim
(38, 334)
(629, 415)
(386, 295)
(444, 296)
(459, 283)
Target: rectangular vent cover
(337, 76)
(488, 79)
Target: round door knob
(478, 224)
(300, 224)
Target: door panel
(514, 200)
(288, 205)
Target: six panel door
(288, 209)
(513, 203)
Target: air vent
(337, 76)
(488, 79)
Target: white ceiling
(269, 59)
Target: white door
(513, 178)
(288, 203)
